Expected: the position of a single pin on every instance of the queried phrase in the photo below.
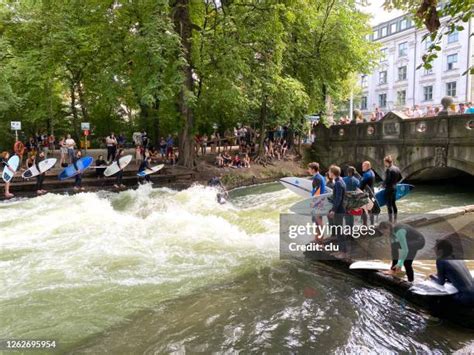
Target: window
(363, 81)
(393, 27)
(384, 31)
(383, 54)
(376, 34)
(403, 49)
(428, 93)
(403, 24)
(451, 89)
(382, 100)
(452, 59)
(383, 77)
(401, 97)
(402, 73)
(453, 37)
(363, 103)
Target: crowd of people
(412, 112)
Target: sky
(378, 13)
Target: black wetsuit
(392, 177)
(40, 177)
(119, 174)
(99, 172)
(367, 185)
(456, 272)
(414, 240)
(143, 166)
(338, 193)
(78, 181)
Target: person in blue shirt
(352, 184)
(338, 211)
(319, 188)
(455, 271)
(367, 184)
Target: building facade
(396, 83)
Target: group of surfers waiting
(405, 241)
(100, 166)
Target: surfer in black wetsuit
(78, 181)
(40, 177)
(222, 195)
(405, 243)
(143, 166)
(119, 174)
(4, 165)
(392, 177)
(454, 271)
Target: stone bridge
(417, 145)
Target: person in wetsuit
(119, 174)
(78, 180)
(319, 188)
(367, 184)
(455, 271)
(352, 184)
(338, 211)
(40, 177)
(4, 165)
(143, 166)
(222, 195)
(392, 177)
(405, 243)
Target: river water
(157, 270)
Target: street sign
(86, 132)
(85, 126)
(15, 125)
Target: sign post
(85, 127)
(15, 126)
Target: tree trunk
(156, 123)
(183, 27)
(82, 102)
(75, 116)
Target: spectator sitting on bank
(236, 162)
(154, 155)
(246, 161)
(219, 160)
(226, 158)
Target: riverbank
(171, 176)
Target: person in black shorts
(392, 177)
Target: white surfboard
(432, 288)
(13, 163)
(114, 167)
(299, 186)
(369, 265)
(43, 165)
(154, 169)
(321, 205)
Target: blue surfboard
(402, 191)
(70, 171)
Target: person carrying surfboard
(40, 177)
(405, 241)
(455, 271)
(319, 188)
(4, 164)
(119, 174)
(143, 166)
(392, 177)
(338, 211)
(78, 180)
(352, 184)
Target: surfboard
(13, 163)
(402, 191)
(70, 171)
(43, 165)
(322, 205)
(114, 168)
(154, 169)
(369, 265)
(299, 186)
(432, 288)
